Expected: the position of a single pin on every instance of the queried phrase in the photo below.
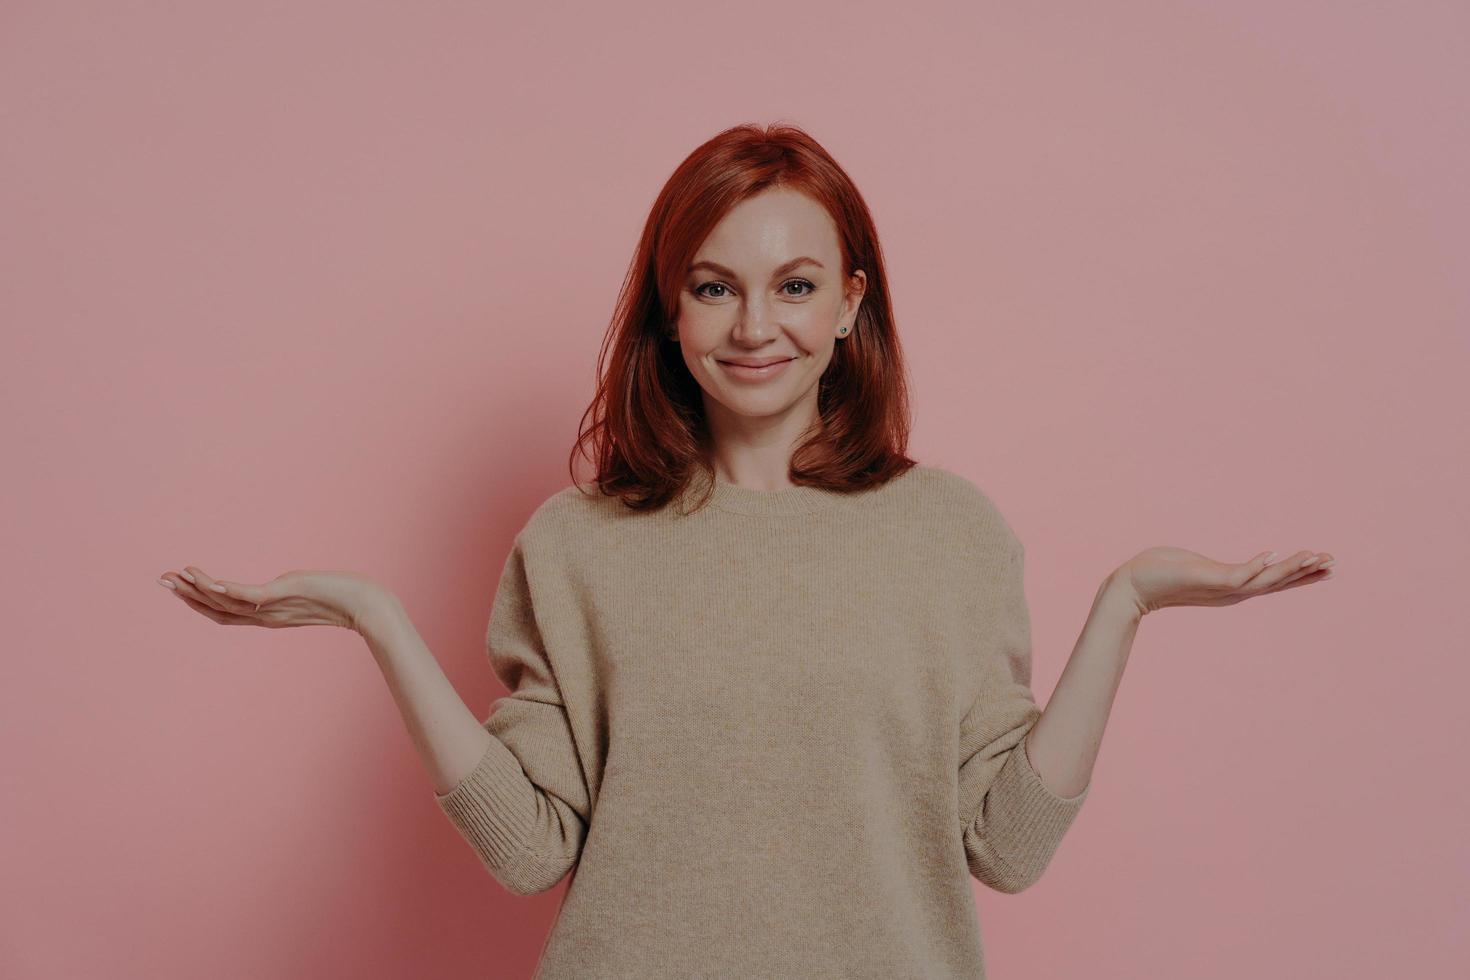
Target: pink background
(322, 285)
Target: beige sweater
(772, 736)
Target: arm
(511, 785)
(1011, 744)
(1065, 739)
(1012, 821)
(1063, 744)
(449, 738)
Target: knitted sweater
(774, 737)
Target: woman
(769, 684)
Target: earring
(842, 331)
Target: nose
(757, 322)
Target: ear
(857, 288)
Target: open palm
(1164, 576)
(295, 598)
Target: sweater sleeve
(1011, 822)
(525, 807)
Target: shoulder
(972, 509)
(576, 520)
(567, 511)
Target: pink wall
(322, 285)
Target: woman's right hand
(296, 598)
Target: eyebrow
(780, 271)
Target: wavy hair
(646, 425)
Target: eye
(698, 290)
(799, 282)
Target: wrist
(376, 613)
(1117, 593)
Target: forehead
(771, 227)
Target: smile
(745, 373)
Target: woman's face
(767, 283)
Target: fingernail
(218, 588)
(166, 583)
(1328, 563)
(1270, 555)
(1307, 561)
(186, 576)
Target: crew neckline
(733, 498)
(736, 499)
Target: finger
(221, 598)
(254, 595)
(1264, 571)
(1311, 577)
(1276, 572)
(1247, 570)
(189, 590)
(1309, 563)
(1301, 564)
(223, 618)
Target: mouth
(746, 371)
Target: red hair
(647, 424)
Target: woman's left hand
(1161, 577)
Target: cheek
(823, 311)
(813, 324)
(701, 334)
(701, 321)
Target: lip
(745, 372)
(754, 361)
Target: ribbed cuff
(493, 808)
(1024, 820)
